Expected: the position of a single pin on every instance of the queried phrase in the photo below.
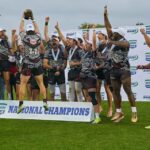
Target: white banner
(139, 54)
(62, 111)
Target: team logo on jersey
(133, 31)
(32, 41)
(134, 84)
(2, 108)
(133, 70)
(147, 83)
(147, 56)
(133, 44)
(146, 97)
(148, 29)
(103, 95)
(133, 57)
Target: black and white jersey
(32, 46)
(55, 57)
(4, 49)
(119, 57)
(88, 64)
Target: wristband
(33, 20)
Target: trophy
(28, 14)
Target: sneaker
(45, 105)
(118, 116)
(148, 127)
(134, 117)
(97, 121)
(20, 109)
(115, 116)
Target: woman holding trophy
(32, 63)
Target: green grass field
(52, 135)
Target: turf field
(52, 135)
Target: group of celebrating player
(41, 62)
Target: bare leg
(98, 94)
(39, 80)
(7, 83)
(109, 97)
(23, 83)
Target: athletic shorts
(88, 83)
(74, 74)
(52, 79)
(31, 71)
(4, 65)
(119, 74)
(104, 74)
(100, 74)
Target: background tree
(90, 25)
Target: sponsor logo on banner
(103, 95)
(133, 31)
(71, 34)
(146, 71)
(146, 97)
(133, 70)
(2, 108)
(147, 56)
(133, 44)
(147, 83)
(134, 84)
(133, 57)
(148, 29)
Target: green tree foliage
(90, 25)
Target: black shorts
(52, 79)
(74, 74)
(100, 74)
(119, 74)
(4, 65)
(104, 74)
(88, 83)
(31, 71)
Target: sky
(71, 13)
